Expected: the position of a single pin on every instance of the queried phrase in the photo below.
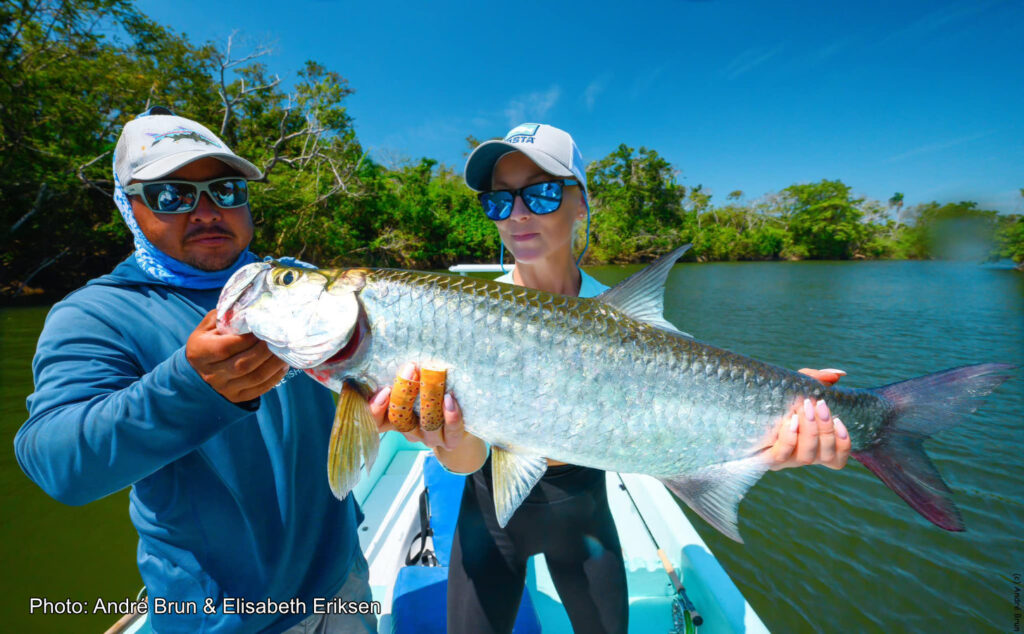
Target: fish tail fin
(920, 408)
(354, 441)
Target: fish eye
(284, 278)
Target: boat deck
(390, 497)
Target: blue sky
(924, 97)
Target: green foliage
(1009, 237)
(954, 230)
(65, 90)
(427, 217)
(73, 72)
(896, 201)
(636, 206)
(824, 219)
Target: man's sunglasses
(540, 198)
(181, 197)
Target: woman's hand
(809, 434)
(456, 448)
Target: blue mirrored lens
(170, 197)
(497, 205)
(543, 198)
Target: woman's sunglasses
(540, 198)
(181, 197)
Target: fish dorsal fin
(354, 441)
(715, 492)
(642, 295)
(514, 475)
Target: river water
(825, 551)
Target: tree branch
(21, 24)
(40, 197)
(49, 261)
(225, 62)
(89, 182)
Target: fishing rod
(681, 598)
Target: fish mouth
(239, 291)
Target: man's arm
(98, 422)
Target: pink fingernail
(382, 396)
(823, 410)
(794, 423)
(808, 409)
(841, 429)
(449, 402)
(835, 371)
(407, 371)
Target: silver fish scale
(591, 387)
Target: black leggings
(567, 518)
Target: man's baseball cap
(158, 143)
(553, 151)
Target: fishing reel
(682, 619)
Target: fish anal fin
(514, 475)
(354, 441)
(715, 492)
(642, 295)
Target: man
(134, 386)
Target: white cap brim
(480, 164)
(167, 164)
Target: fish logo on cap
(179, 133)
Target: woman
(533, 186)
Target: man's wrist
(190, 374)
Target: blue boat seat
(419, 604)
(445, 491)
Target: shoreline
(43, 297)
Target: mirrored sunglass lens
(169, 197)
(229, 193)
(496, 204)
(543, 198)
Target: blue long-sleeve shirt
(228, 500)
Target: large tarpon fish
(605, 382)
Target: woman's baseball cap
(552, 149)
(159, 142)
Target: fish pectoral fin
(642, 295)
(354, 441)
(715, 492)
(514, 475)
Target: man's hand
(239, 367)
(809, 434)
